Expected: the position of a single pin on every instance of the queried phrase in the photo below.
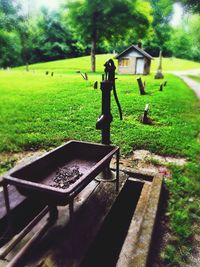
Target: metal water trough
(35, 179)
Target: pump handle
(110, 76)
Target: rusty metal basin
(35, 179)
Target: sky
(51, 4)
(34, 5)
(178, 14)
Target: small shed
(134, 60)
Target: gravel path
(195, 86)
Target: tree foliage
(53, 40)
(94, 21)
(10, 47)
(185, 38)
(193, 5)
(93, 26)
(161, 29)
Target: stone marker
(165, 83)
(161, 87)
(46, 72)
(159, 74)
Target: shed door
(140, 66)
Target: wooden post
(141, 86)
(145, 116)
(95, 85)
(86, 76)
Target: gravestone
(159, 74)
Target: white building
(134, 60)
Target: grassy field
(40, 111)
(83, 64)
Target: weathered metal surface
(35, 179)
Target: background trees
(161, 29)
(192, 4)
(81, 27)
(95, 21)
(10, 46)
(52, 38)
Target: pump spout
(103, 121)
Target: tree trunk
(93, 54)
(94, 41)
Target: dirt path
(195, 86)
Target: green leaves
(95, 22)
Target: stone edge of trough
(137, 246)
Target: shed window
(124, 62)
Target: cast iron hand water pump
(107, 85)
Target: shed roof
(134, 47)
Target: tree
(23, 29)
(182, 47)
(52, 38)
(97, 20)
(10, 49)
(161, 29)
(7, 15)
(10, 46)
(191, 4)
(194, 26)
(185, 38)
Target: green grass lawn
(39, 111)
(83, 64)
